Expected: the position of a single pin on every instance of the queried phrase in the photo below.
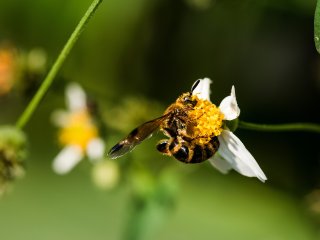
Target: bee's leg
(172, 130)
(163, 146)
(169, 132)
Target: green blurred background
(155, 50)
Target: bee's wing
(136, 136)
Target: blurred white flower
(105, 174)
(78, 134)
(232, 154)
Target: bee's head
(187, 99)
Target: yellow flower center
(208, 120)
(79, 130)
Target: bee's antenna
(195, 85)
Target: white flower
(105, 174)
(78, 134)
(232, 154)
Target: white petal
(67, 159)
(203, 89)
(219, 163)
(76, 97)
(95, 149)
(229, 106)
(233, 151)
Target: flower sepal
(231, 125)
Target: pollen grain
(208, 120)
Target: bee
(177, 124)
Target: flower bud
(105, 174)
(12, 155)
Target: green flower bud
(12, 155)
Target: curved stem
(289, 127)
(29, 110)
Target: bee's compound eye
(186, 99)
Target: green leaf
(317, 26)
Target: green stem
(138, 219)
(29, 110)
(305, 127)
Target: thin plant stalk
(34, 103)
(288, 127)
